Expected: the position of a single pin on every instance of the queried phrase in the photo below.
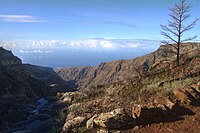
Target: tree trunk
(178, 55)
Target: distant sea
(77, 57)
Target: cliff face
(20, 79)
(74, 74)
(8, 59)
(49, 77)
(120, 70)
(13, 75)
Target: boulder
(114, 120)
(196, 87)
(195, 94)
(73, 123)
(101, 130)
(145, 114)
(70, 116)
(183, 96)
(68, 97)
(75, 107)
(187, 95)
(165, 101)
(90, 122)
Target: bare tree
(175, 28)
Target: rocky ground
(187, 123)
(160, 115)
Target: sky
(69, 33)
(83, 19)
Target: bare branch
(173, 25)
(189, 39)
(167, 29)
(165, 42)
(185, 17)
(190, 26)
(168, 36)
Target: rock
(183, 96)
(71, 115)
(165, 101)
(114, 120)
(93, 104)
(136, 127)
(75, 106)
(145, 114)
(101, 130)
(195, 94)
(196, 87)
(73, 123)
(187, 95)
(90, 122)
(69, 97)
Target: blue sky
(80, 19)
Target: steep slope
(48, 76)
(121, 70)
(30, 80)
(74, 74)
(13, 76)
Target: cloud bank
(89, 44)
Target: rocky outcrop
(113, 120)
(145, 114)
(73, 123)
(120, 70)
(188, 95)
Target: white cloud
(20, 18)
(34, 51)
(99, 44)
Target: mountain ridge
(119, 70)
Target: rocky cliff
(74, 74)
(17, 78)
(49, 77)
(121, 70)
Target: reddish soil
(188, 121)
